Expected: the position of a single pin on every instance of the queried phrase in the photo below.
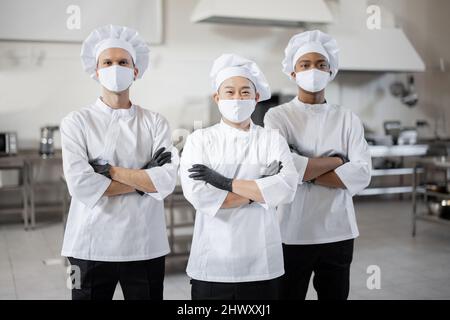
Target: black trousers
(330, 263)
(256, 290)
(139, 280)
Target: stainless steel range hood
(286, 13)
(385, 50)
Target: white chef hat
(112, 36)
(307, 42)
(231, 65)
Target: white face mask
(116, 78)
(312, 80)
(237, 111)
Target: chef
(333, 161)
(227, 174)
(119, 165)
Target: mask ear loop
(134, 67)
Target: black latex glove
(294, 149)
(273, 169)
(159, 159)
(202, 172)
(340, 156)
(102, 169)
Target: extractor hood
(382, 50)
(287, 13)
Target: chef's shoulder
(77, 119)
(279, 113)
(205, 136)
(153, 118)
(351, 118)
(269, 136)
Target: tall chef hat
(307, 42)
(112, 36)
(232, 65)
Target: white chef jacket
(238, 244)
(127, 227)
(321, 214)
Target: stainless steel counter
(26, 161)
(397, 151)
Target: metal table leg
(25, 207)
(31, 195)
(414, 201)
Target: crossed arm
(243, 191)
(127, 181)
(130, 180)
(322, 170)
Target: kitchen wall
(42, 82)
(427, 25)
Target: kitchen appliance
(46, 146)
(378, 140)
(285, 13)
(407, 136)
(407, 93)
(8, 143)
(400, 135)
(362, 49)
(393, 129)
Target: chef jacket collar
(236, 131)
(320, 107)
(121, 113)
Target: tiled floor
(411, 268)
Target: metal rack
(173, 201)
(17, 163)
(33, 161)
(428, 165)
(400, 152)
(26, 162)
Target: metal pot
(439, 209)
(445, 209)
(436, 188)
(46, 146)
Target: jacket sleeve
(205, 198)
(83, 183)
(164, 178)
(273, 121)
(280, 188)
(356, 173)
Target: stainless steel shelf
(11, 188)
(398, 151)
(434, 165)
(393, 172)
(442, 195)
(10, 210)
(385, 190)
